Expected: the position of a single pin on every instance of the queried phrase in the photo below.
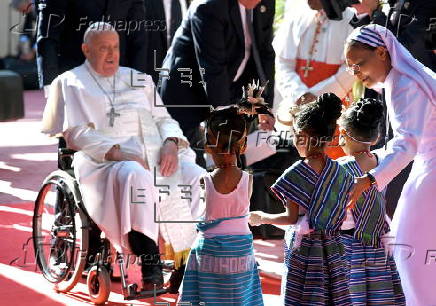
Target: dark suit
(157, 40)
(62, 23)
(211, 37)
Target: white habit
(410, 94)
(120, 195)
(413, 117)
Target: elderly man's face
(103, 53)
(249, 4)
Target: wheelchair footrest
(134, 294)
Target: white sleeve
(288, 82)
(286, 42)
(168, 127)
(339, 84)
(88, 140)
(411, 114)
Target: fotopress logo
(28, 260)
(19, 28)
(24, 260)
(286, 139)
(128, 26)
(283, 139)
(55, 20)
(430, 258)
(30, 257)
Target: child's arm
(290, 216)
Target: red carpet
(23, 284)
(26, 158)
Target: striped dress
(316, 271)
(222, 269)
(373, 278)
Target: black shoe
(57, 264)
(153, 276)
(176, 280)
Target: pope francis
(133, 163)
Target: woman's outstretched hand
(360, 185)
(266, 122)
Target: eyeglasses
(353, 69)
(356, 68)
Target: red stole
(317, 72)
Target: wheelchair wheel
(99, 284)
(60, 231)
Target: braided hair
(362, 120)
(318, 118)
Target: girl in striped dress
(314, 192)
(221, 269)
(374, 278)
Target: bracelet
(372, 180)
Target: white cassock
(413, 118)
(292, 45)
(121, 195)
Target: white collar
(95, 73)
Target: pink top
(232, 204)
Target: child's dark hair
(362, 120)
(226, 130)
(226, 127)
(319, 118)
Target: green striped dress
(373, 276)
(316, 271)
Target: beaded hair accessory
(250, 105)
(252, 102)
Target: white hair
(97, 28)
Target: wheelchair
(62, 232)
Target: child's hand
(255, 218)
(266, 122)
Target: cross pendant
(307, 68)
(112, 114)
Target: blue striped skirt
(316, 271)
(373, 277)
(222, 270)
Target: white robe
(120, 196)
(413, 118)
(293, 41)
